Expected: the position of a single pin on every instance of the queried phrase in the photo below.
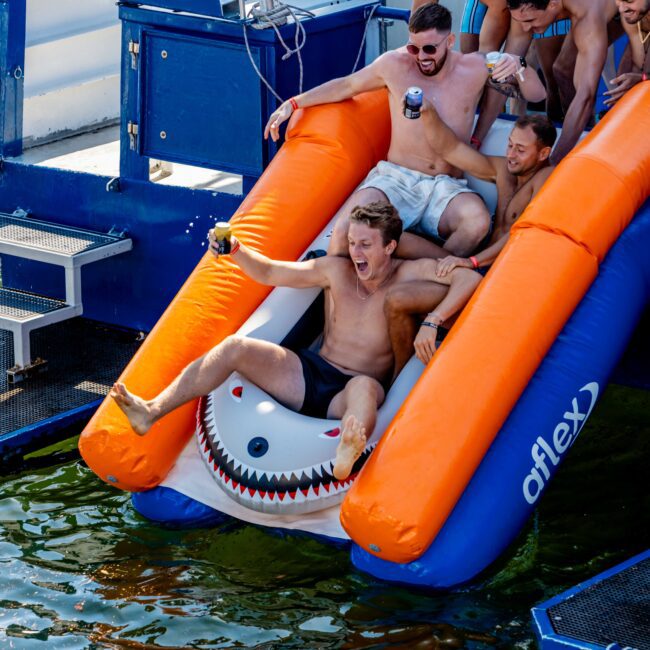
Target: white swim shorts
(419, 198)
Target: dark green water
(80, 569)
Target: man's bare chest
(512, 202)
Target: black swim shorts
(322, 382)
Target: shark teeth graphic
(253, 487)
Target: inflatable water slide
(464, 448)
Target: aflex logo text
(563, 437)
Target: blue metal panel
(133, 289)
(12, 65)
(132, 163)
(202, 103)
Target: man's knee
(364, 385)
(474, 221)
(232, 347)
(398, 301)
(340, 230)
(339, 240)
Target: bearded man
(430, 195)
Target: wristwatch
(523, 64)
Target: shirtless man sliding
(518, 177)
(428, 192)
(635, 15)
(346, 378)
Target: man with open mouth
(344, 379)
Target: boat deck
(84, 358)
(609, 611)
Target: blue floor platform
(608, 612)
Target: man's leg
(548, 50)
(563, 69)
(414, 247)
(339, 241)
(410, 247)
(273, 368)
(405, 302)
(357, 406)
(464, 224)
(470, 25)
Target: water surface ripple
(79, 568)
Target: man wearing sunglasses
(429, 193)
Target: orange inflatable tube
(438, 438)
(328, 151)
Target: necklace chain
(642, 38)
(379, 286)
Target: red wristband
(474, 261)
(235, 248)
(475, 142)
(294, 103)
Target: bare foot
(353, 442)
(135, 408)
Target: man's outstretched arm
(335, 90)
(590, 36)
(447, 145)
(484, 258)
(277, 273)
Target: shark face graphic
(267, 457)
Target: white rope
(277, 16)
(363, 38)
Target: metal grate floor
(614, 610)
(60, 239)
(85, 358)
(20, 305)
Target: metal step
(20, 311)
(21, 306)
(55, 244)
(608, 612)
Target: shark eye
(258, 447)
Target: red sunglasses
(427, 49)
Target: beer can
(413, 103)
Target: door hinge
(134, 51)
(132, 130)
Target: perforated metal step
(56, 244)
(616, 609)
(51, 243)
(22, 306)
(610, 611)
